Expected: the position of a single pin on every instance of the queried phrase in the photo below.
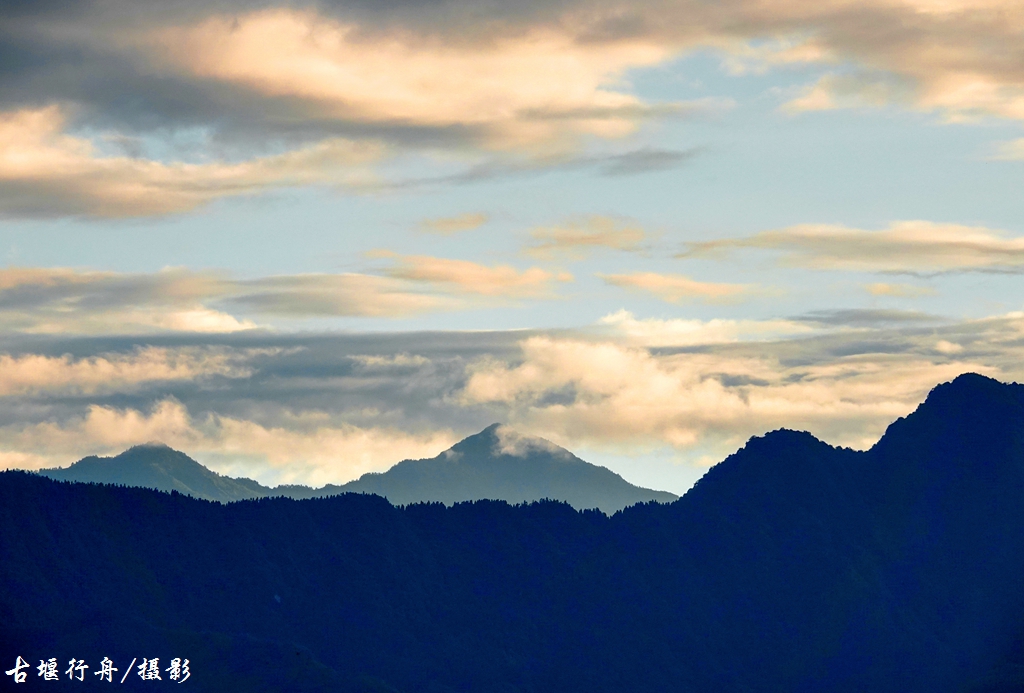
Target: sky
(303, 241)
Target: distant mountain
(501, 464)
(497, 463)
(790, 566)
(162, 468)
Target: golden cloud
(447, 226)
(522, 90)
(675, 288)
(623, 395)
(44, 170)
(465, 277)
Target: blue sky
(302, 242)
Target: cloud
(507, 166)
(578, 238)
(46, 172)
(850, 91)
(38, 300)
(865, 317)
(335, 295)
(56, 300)
(676, 288)
(646, 160)
(327, 85)
(653, 332)
(446, 226)
(957, 55)
(512, 442)
(630, 396)
(905, 246)
(325, 406)
(464, 277)
(114, 372)
(898, 290)
(512, 88)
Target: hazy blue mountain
(500, 464)
(162, 468)
(497, 464)
(790, 566)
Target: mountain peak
(785, 436)
(151, 445)
(499, 440)
(971, 420)
(968, 386)
(156, 465)
(503, 464)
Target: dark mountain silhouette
(791, 566)
(496, 464)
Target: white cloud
(516, 444)
(629, 397)
(946, 347)
(683, 332)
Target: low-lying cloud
(325, 407)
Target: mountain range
(497, 463)
(790, 566)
